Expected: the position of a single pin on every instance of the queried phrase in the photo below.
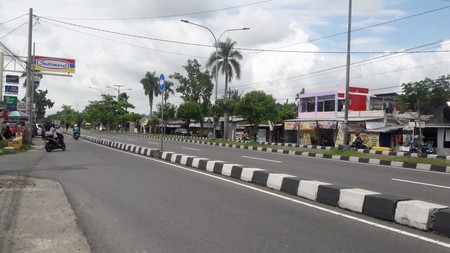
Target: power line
(121, 42)
(15, 29)
(166, 16)
(13, 19)
(363, 28)
(212, 46)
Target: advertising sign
(12, 79)
(45, 63)
(10, 100)
(21, 106)
(289, 125)
(308, 125)
(12, 90)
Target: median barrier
(275, 180)
(381, 206)
(416, 213)
(329, 194)
(441, 223)
(247, 173)
(290, 185)
(308, 189)
(353, 199)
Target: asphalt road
(129, 203)
(422, 185)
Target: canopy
(16, 115)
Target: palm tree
(227, 63)
(151, 88)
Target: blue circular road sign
(162, 82)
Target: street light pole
(101, 91)
(118, 89)
(216, 45)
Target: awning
(385, 129)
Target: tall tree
(227, 62)
(257, 107)
(196, 87)
(151, 87)
(42, 103)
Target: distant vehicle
(181, 132)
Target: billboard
(45, 63)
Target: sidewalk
(35, 216)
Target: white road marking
(196, 149)
(415, 182)
(152, 142)
(262, 159)
(371, 223)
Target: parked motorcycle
(52, 143)
(358, 144)
(426, 149)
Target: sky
(291, 44)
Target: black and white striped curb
(402, 210)
(374, 161)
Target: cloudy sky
(291, 44)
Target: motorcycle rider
(55, 131)
(76, 130)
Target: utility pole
(1, 76)
(347, 73)
(29, 137)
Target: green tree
(226, 62)
(257, 107)
(102, 112)
(169, 111)
(425, 97)
(151, 87)
(286, 111)
(189, 111)
(42, 104)
(196, 87)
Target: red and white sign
(44, 63)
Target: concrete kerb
(402, 210)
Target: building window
(307, 104)
(325, 103)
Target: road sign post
(162, 83)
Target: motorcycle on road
(52, 143)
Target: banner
(44, 63)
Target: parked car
(181, 132)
